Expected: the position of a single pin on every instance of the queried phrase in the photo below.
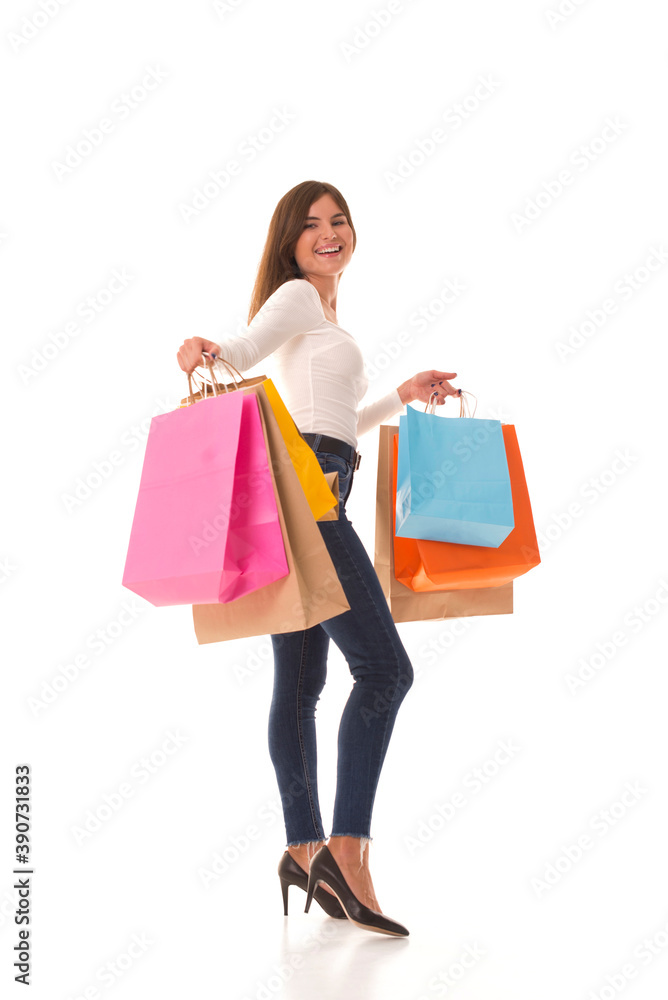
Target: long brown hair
(277, 264)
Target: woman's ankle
(306, 850)
(349, 850)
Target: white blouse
(321, 370)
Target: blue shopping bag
(453, 483)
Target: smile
(329, 251)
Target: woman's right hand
(189, 355)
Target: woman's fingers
(447, 389)
(189, 355)
(442, 386)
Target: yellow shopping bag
(311, 477)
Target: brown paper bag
(405, 604)
(216, 388)
(333, 483)
(311, 592)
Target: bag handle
(464, 405)
(205, 382)
(228, 364)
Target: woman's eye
(339, 222)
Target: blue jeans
(382, 674)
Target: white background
(362, 96)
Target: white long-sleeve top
(321, 371)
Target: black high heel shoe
(325, 869)
(291, 873)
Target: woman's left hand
(424, 384)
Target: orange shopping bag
(424, 565)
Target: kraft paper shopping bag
(311, 592)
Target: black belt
(336, 446)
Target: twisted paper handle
(464, 405)
(205, 383)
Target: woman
(310, 242)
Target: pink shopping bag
(206, 528)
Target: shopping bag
(427, 565)
(320, 497)
(453, 483)
(406, 605)
(206, 525)
(333, 483)
(311, 592)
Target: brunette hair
(277, 264)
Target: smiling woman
(327, 239)
(322, 379)
(308, 218)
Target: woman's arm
(375, 413)
(289, 311)
(420, 387)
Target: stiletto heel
(291, 873)
(309, 894)
(284, 886)
(325, 869)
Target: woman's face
(326, 226)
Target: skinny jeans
(382, 674)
